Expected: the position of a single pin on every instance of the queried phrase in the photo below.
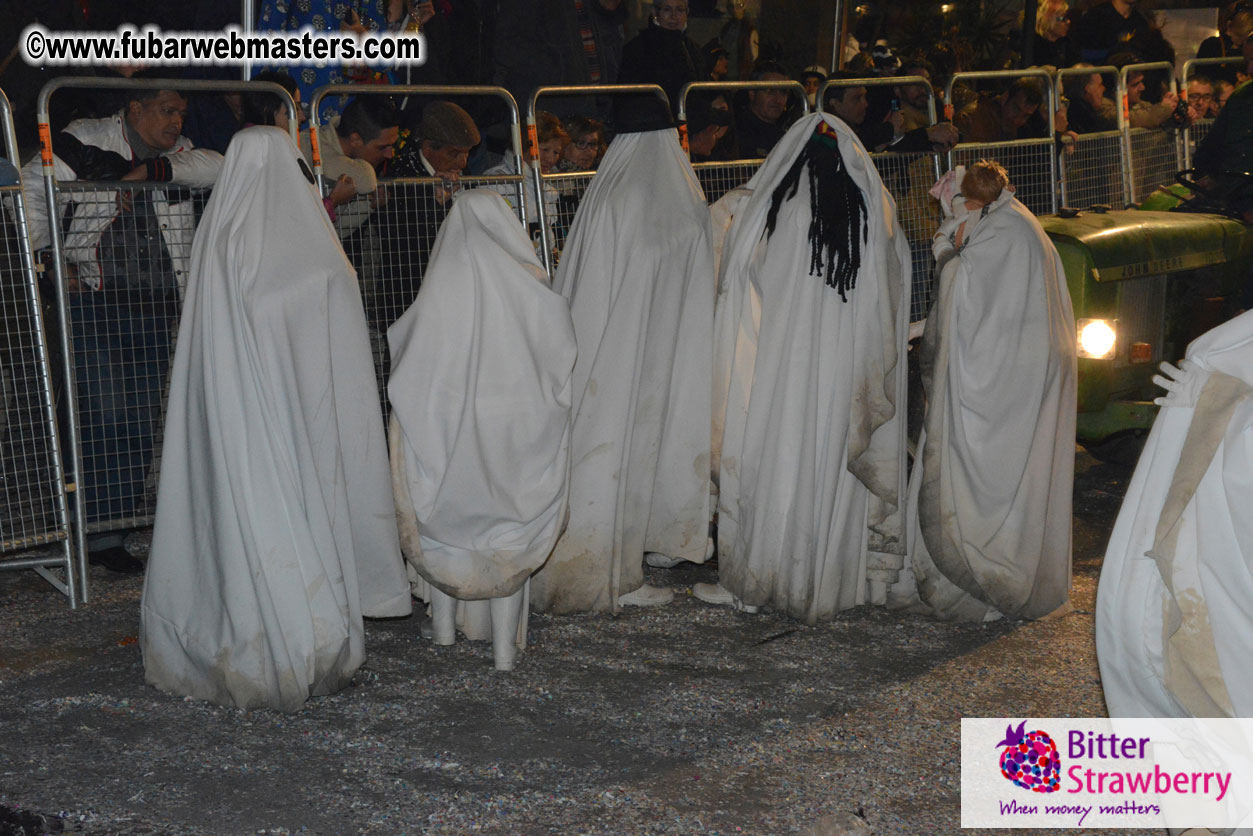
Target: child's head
(984, 181)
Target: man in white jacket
(125, 264)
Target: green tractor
(1143, 285)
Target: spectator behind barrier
(1110, 27)
(125, 257)
(1235, 24)
(1089, 112)
(1200, 97)
(409, 219)
(851, 105)
(706, 126)
(811, 78)
(1225, 157)
(761, 126)
(663, 54)
(362, 139)
(1000, 118)
(586, 146)
(1052, 45)
(1145, 114)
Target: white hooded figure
(480, 432)
(275, 530)
(637, 269)
(1174, 607)
(811, 326)
(989, 523)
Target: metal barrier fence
(1092, 165)
(120, 255)
(1031, 163)
(1199, 129)
(388, 236)
(1152, 155)
(34, 509)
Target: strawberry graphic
(1030, 759)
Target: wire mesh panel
(1030, 167)
(33, 506)
(125, 260)
(716, 179)
(1154, 159)
(909, 178)
(1197, 132)
(1092, 170)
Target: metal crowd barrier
(131, 241)
(1151, 156)
(718, 178)
(1092, 166)
(909, 177)
(1199, 129)
(554, 212)
(1032, 163)
(388, 236)
(34, 509)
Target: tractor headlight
(1096, 338)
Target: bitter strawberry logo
(1030, 759)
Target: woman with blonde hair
(1052, 41)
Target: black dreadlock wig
(837, 226)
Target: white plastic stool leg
(505, 614)
(443, 617)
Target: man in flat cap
(438, 146)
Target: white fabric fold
(275, 529)
(991, 526)
(637, 269)
(480, 392)
(811, 458)
(1175, 599)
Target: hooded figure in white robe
(275, 527)
(1174, 607)
(990, 506)
(814, 273)
(480, 434)
(638, 270)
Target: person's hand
(897, 121)
(1183, 383)
(943, 136)
(1171, 100)
(352, 23)
(1061, 121)
(344, 191)
(1069, 138)
(378, 197)
(450, 186)
(423, 11)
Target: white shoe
(646, 596)
(719, 595)
(657, 560)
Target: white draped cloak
(275, 530)
(811, 462)
(1174, 608)
(480, 394)
(638, 271)
(990, 531)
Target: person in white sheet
(814, 272)
(480, 430)
(989, 522)
(275, 525)
(1174, 606)
(638, 270)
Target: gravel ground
(685, 719)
